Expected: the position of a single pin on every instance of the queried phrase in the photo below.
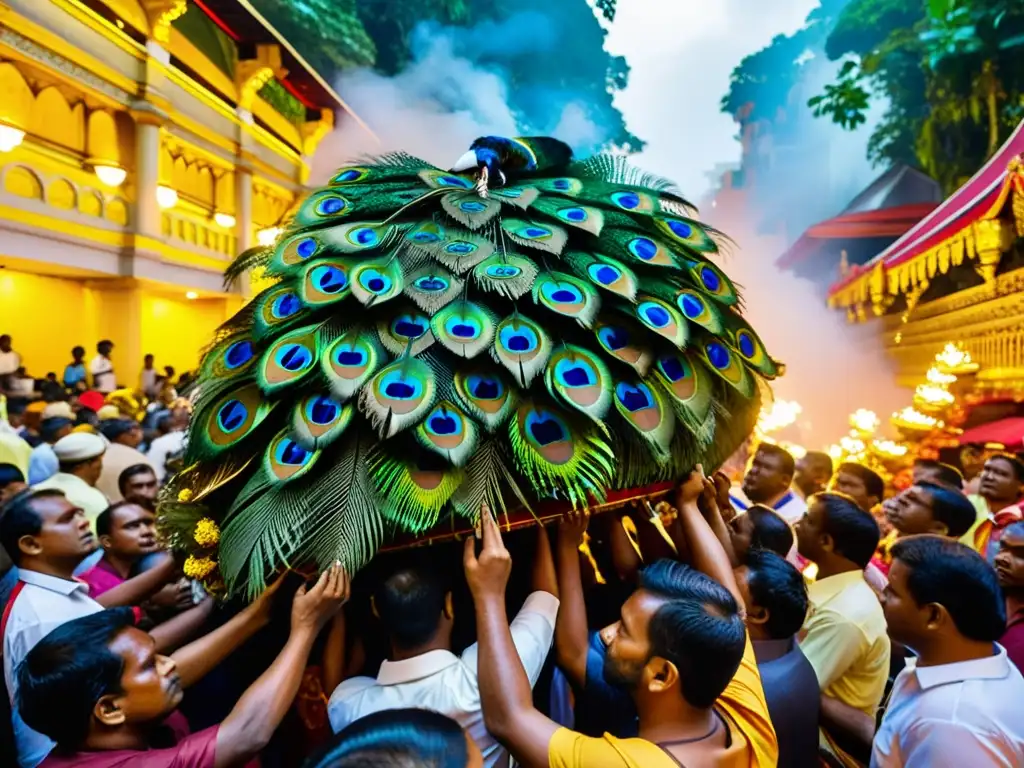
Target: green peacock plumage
(522, 328)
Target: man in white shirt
(768, 482)
(10, 360)
(959, 702)
(422, 672)
(102, 368)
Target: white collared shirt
(443, 682)
(42, 605)
(965, 714)
(790, 506)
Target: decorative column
(147, 172)
(243, 207)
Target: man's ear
(827, 542)
(661, 675)
(105, 541)
(449, 607)
(108, 711)
(936, 615)
(757, 615)
(29, 545)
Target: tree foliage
(948, 70)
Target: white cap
(79, 446)
(59, 410)
(108, 412)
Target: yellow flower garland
(198, 567)
(207, 533)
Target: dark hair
(698, 628)
(788, 464)
(133, 471)
(10, 474)
(105, 519)
(86, 415)
(410, 738)
(18, 518)
(1014, 462)
(771, 531)
(778, 587)
(105, 343)
(16, 406)
(77, 352)
(953, 575)
(72, 665)
(49, 428)
(410, 603)
(873, 482)
(945, 473)
(819, 459)
(114, 428)
(854, 532)
(951, 508)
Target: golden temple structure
(143, 144)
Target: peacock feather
(520, 328)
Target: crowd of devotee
(799, 614)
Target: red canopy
(1008, 432)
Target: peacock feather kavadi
(525, 327)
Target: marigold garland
(198, 567)
(207, 533)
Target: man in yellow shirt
(680, 646)
(844, 636)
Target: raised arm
(195, 660)
(177, 631)
(571, 625)
(138, 588)
(259, 712)
(707, 553)
(508, 708)
(708, 504)
(543, 578)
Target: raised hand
(487, 573)
(313, 608)
(722, 487)
(690, 489)
(573, 526)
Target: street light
(10, 137)
(225, 220)
(111, 175)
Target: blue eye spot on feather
(718, 355)
(291, 453)
(561, 184)
(329, 279)
(710, 279)
(473, 206)
(444, 423)
(673, 367)
(605, 274)
(322, 410)
(692, 306)
(398, 386)
(634, 397)
(573, 214)
(519, 340)
(374, 282)
(453, 181)
(505, 271)
(232, 415)
(535, 232)
(348, 356)
(431, 284)
(294, 357)
(485, 388)
(329, 206)
(628, 200)
(575, 373)
(425, 237)
(364, 237)
(238, 354)
(680, 229)
(655, 315)
(350, 175)
(545, 428)
(562, 293)
(306, 248)
(746, 344)
(409, 327)
(285, 305)
(643, 248)
(614, 337)
(460, 247)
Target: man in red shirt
(1010, 570)
(97, 687)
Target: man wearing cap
(124, 436)
(44, 463)
(81, 462)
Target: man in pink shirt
(127, 533)
(97, 686)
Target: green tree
(328, 33)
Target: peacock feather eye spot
(232, 415)
(473, 206)
(614, 337)
(692, 306)
(643, 248)
(453, 181)
(409, 327)
(746, 343)
(680, 228)
(463, 330)
(399, 390)
(628, 200)
(425, 237)
(349, 175)
(561, 184)
(521, 339)
(431, 284)
(485, 388)
(562, 293)
(574, 214)
(294, 357)
(375, 282)
(330, 205)
(306, 247)
(544, 429)
(329, 279)
(285, 305)
(536, 232)
(575, 373)
(238, 354)
(349, 357)
(460, 247)
(718, 355)
(603, 273)
(634, 398)
(518, 343)
(503, 271)
(576, 377)
(656, 316)
(444, 424)
(323, 410)
(673, 367)
(291, 453)
(710, 279)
